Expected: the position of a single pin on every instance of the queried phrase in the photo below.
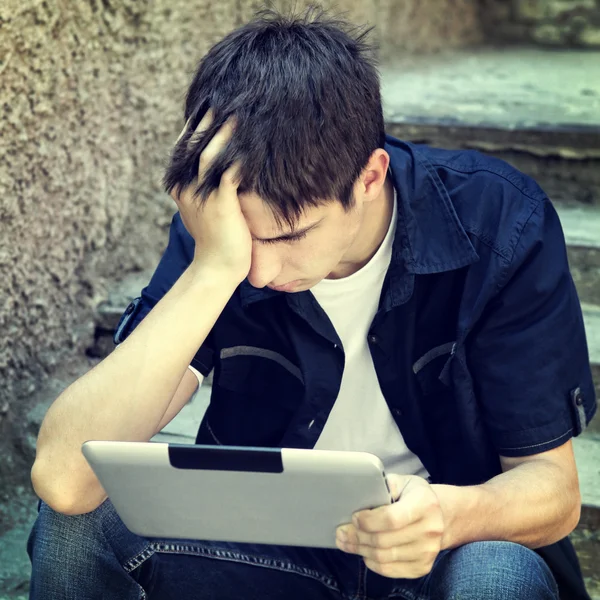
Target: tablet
(281, 496)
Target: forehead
(263, 222)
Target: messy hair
(304, 91)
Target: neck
(372, 232)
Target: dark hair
(304, 90)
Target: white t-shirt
(360, 419)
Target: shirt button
(578, 397)
(335, 345)
(373, 339)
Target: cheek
(322, 256)
(321, 252)
(342, 237)
(303, 260)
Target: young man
(350, 291)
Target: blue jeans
(94, 556)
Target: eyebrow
(291, 235)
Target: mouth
(286, 287)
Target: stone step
(581, 226)
(587, 456)
(587, 545)
(591, 317)
(538, 109)
(547, 101)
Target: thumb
(397, 483)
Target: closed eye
(296, 238)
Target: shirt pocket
(257, 392)
(249, 368)
(433, 368)
(432, 372)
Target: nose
(265, 266)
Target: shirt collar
(429, 235)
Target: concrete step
(536, 108)
(544, 100)
(586, 542)
(581, 226)
(586, 538)
(587, 456)
(531, 107)
(591, 317)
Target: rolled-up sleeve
(175, 260)
(528, 356)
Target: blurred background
(91, 96)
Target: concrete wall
(92, 95)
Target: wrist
(459, 510)
(205, 273)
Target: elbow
(574, 517)
(569, 519)
(61, 498)
(552, 533)
(43, 485)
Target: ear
(374, 174)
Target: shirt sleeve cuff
(198, 375)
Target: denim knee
(82, 556)
(492, 571)
(63, 543)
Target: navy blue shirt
(478, 342)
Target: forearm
(127, 394)
(533, 504)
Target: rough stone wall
(417, 26)
(406, 25)
(91, 97)
(91, 94)
(573, 23)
